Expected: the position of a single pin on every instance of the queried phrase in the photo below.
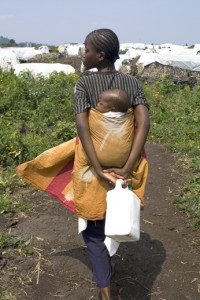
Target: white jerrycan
(122, 222)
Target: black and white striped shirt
(89, 87)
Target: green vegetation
(123, 51)
(37, 113)
(175, 119)
(126, 62)
(8, 241)
(6, 42)
(8, 205)
(11, 245)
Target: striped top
(89, 87)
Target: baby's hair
(107, 41)
(119, 99)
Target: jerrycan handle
(118, 185)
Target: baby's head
(113, 100)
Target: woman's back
(89, 87)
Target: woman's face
(91, 58)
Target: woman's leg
(105, 293)
(94, 238)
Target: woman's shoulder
(85, 77)
(97, 76)
(127, 77)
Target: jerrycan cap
(119, 183)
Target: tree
(12, 42)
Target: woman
(101, 52)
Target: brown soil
(163, 265)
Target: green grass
(175, 123)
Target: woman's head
(100, 45)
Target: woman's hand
(118, 173)
(111, 178)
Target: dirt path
(163, 265)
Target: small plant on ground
(10, 243)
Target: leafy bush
(36, 114)
(165, 86)
(175, 119)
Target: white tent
(70, 50)
(189, 62)
(8, 59)
(26, 53)
(43, 69)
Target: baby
(113, 100)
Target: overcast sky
(56, 22)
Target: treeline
(6, 42)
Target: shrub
(175, 119)
(36, 114)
